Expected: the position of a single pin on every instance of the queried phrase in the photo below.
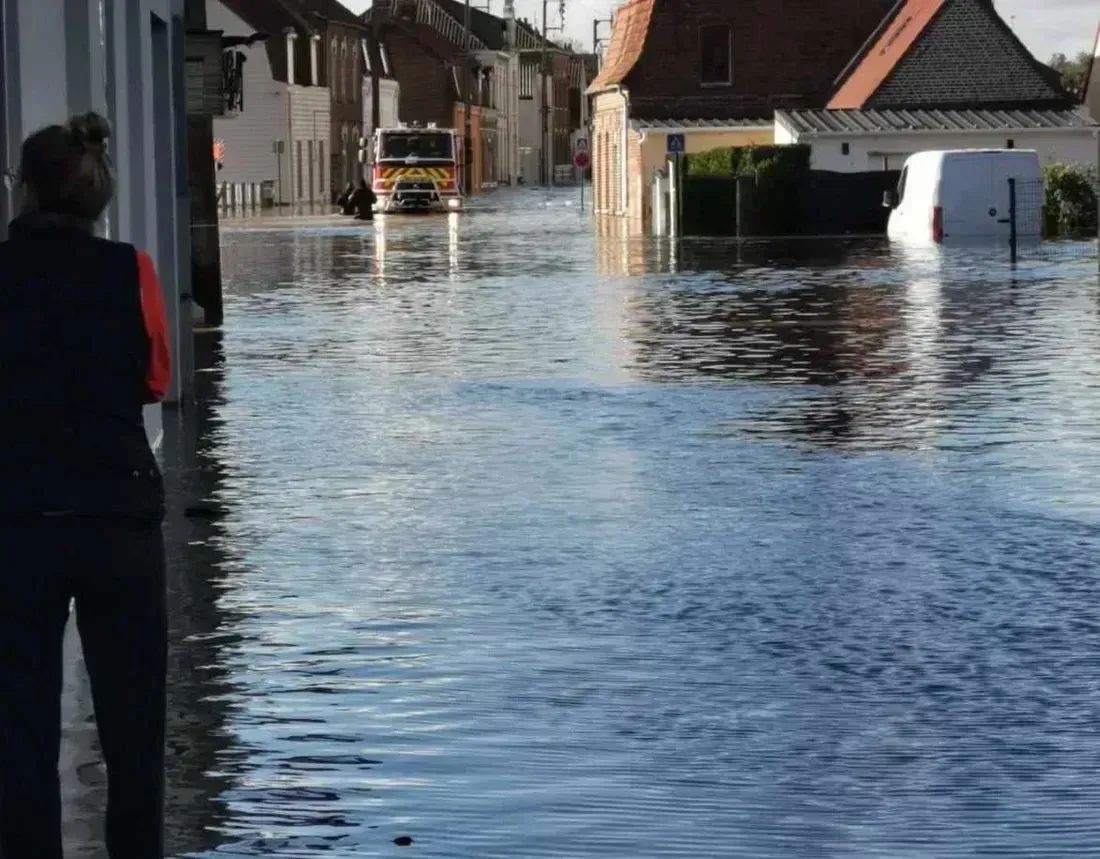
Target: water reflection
(538, 542)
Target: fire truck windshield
(400, 145)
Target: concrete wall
(1072, 146)
(250, 136)
(123, 58)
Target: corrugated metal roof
(901, 121)
(698, 124)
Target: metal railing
(430, 14)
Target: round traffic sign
(581, 160)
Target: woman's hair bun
(90, 130)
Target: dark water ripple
(537, 543)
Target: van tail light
(937, 224)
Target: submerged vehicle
(415, 170)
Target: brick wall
(784, 54)
(607, 128)
(965, 57)
(427, 86)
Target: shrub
(1071, 200)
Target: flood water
(522, 542)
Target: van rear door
(966, 195)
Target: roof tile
(628, 37)
(907, 23)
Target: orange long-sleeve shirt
(158, 377)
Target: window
(716, 55)
(458, 85)
(366, 55)
(845, 149)
(1011, 144)
(385, 55)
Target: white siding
(388, 100)
(1077, 146)
(250, 136)
(310, 108)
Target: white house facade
(278, 139)
(856, 141)
(124, 59)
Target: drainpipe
(624, 178)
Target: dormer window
(366, 55)
(385, 55)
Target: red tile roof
(894, 41)
(628, 35)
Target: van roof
(944, 153)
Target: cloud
(1067, 27)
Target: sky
(1046, 26)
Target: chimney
(291, 55)
(510, 23)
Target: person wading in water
(83, 347)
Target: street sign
(581, 144)
(581, 159)
(674, 144)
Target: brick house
(713, 72)
(280, 135)
(337, 40)
(941, 74)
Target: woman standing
(83, 348)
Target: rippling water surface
(525, 542)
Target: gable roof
(332, 10)
(485, 27)
(811, 123)
(624, 49)
(941, 53)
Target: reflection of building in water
(201, 629)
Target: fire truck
(415, 170)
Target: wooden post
(206, 273)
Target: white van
(962, 195)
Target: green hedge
(733, 161)
(1071, 201)
(710, 190)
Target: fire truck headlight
(454, 203)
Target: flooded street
(518, 541)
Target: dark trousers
(116, 573)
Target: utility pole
(468, 147)
(206, 276)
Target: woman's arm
(158, 377)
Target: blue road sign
(674, 144)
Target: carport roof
(855, 122)
(683, 125)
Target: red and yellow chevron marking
(443, 177)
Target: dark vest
(73, 360)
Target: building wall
(427, 86)
(250, 137)
(61, 57)
(868, 153)
(781, 56)
(608, 148)
(528, 130)
(343, 63)
(389, 95)
(308, 157)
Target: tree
(574, 46)
(1074, 72)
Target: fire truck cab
(414, 169)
